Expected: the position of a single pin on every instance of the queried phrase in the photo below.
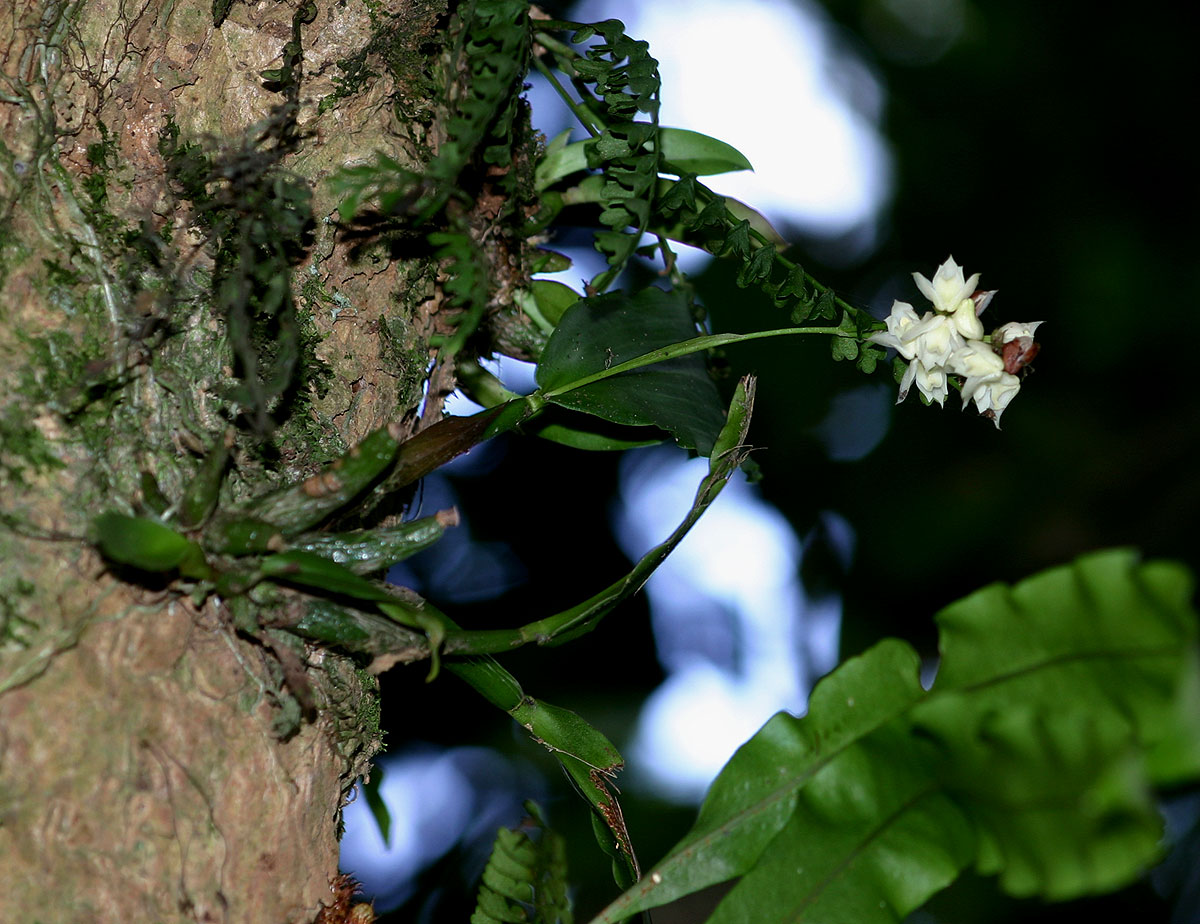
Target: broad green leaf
(600, 332)
(754, 796)
(682, 150)
(553, 298)
(148, 545)
(1059, 704)
(872, 838)
(691, 152)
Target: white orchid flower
(948, 288)
(936, 337)
(967, 321)
(932, 338)
(1013, 330)
(986, 383)
(950, 340)
(902, 317)
(932, 383)
(992, 396)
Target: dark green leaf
(691, 152)
(713, 214)
(843, 348)
(800, 312)
(553, 298)
(375, 802)
(680, 194)
(871, 838)
(311, 570)
(597, 333)
(754, 796)
(1059, 703)
(869, 356)
(148, 545)
(610, 147)
(826, 306)
(737, 241)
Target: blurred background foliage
(1043, 145)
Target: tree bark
(152, 767)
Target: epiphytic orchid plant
(1059, 703)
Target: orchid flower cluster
(950, 341)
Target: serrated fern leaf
(486, 63)
(493, 49)
(525, 880)
(466, 284)
(620, 80)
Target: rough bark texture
(150, 768)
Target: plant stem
(587, 118)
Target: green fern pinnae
(487, 60)
(626, 85)
(493, 50)
(701, 217)
(466, 286)
(525, 880)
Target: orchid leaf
(148, 545)
(692, 152)
(682, 151)
(602, 331)
(553, 298)
(593, 439)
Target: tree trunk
(155, 764)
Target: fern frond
(525, 880)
